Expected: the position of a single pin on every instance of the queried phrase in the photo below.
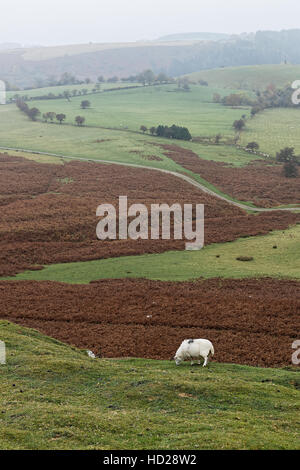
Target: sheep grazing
(194, 349)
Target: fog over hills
(195, 36)
(10, 45)
(174, 55)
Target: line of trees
(274, 97)
(60, 117)
(148, 77)
(173, 132)
(234, 99)
(51, 96)
(271, 97)
(34, 113)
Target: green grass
(151, 106)
(16, 130)
(19, 132)
(221, 153)
(56, 397)
(283, 262)
(56, 90)
(253, 77)
(274, 129)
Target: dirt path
(174, 173)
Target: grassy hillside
(56, 397)
(274, 129)
(217, 260)
(56, 90)
(195, 37)
(25, 67)
(17, 131)
(151, 106)
(54, 52)
(253, 77)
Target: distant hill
(29, 67)
(254, 77)
(195, 37)
(9, 45)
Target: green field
(17, 131)
(217, 260)
(151, 106)
(56, 90)
(274, 129)
(253, 77)
(96, 141)
(56, 397)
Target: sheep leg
(205, 361)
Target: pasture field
(18, 131)
(55, 397)
(151, 106)
(252, 77)
(274, 129)
(56, 90)
(86, 142)
(228, 154)
(216, 260)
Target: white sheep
(194, 349)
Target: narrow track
(169, 172)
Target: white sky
(49, 22)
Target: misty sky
(50, 22)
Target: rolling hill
(195, 37)
(54, 396)
(24, 67)
(253, 77)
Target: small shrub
(245, 258)
(290, 169)
(252, 146)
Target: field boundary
(184, 177)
